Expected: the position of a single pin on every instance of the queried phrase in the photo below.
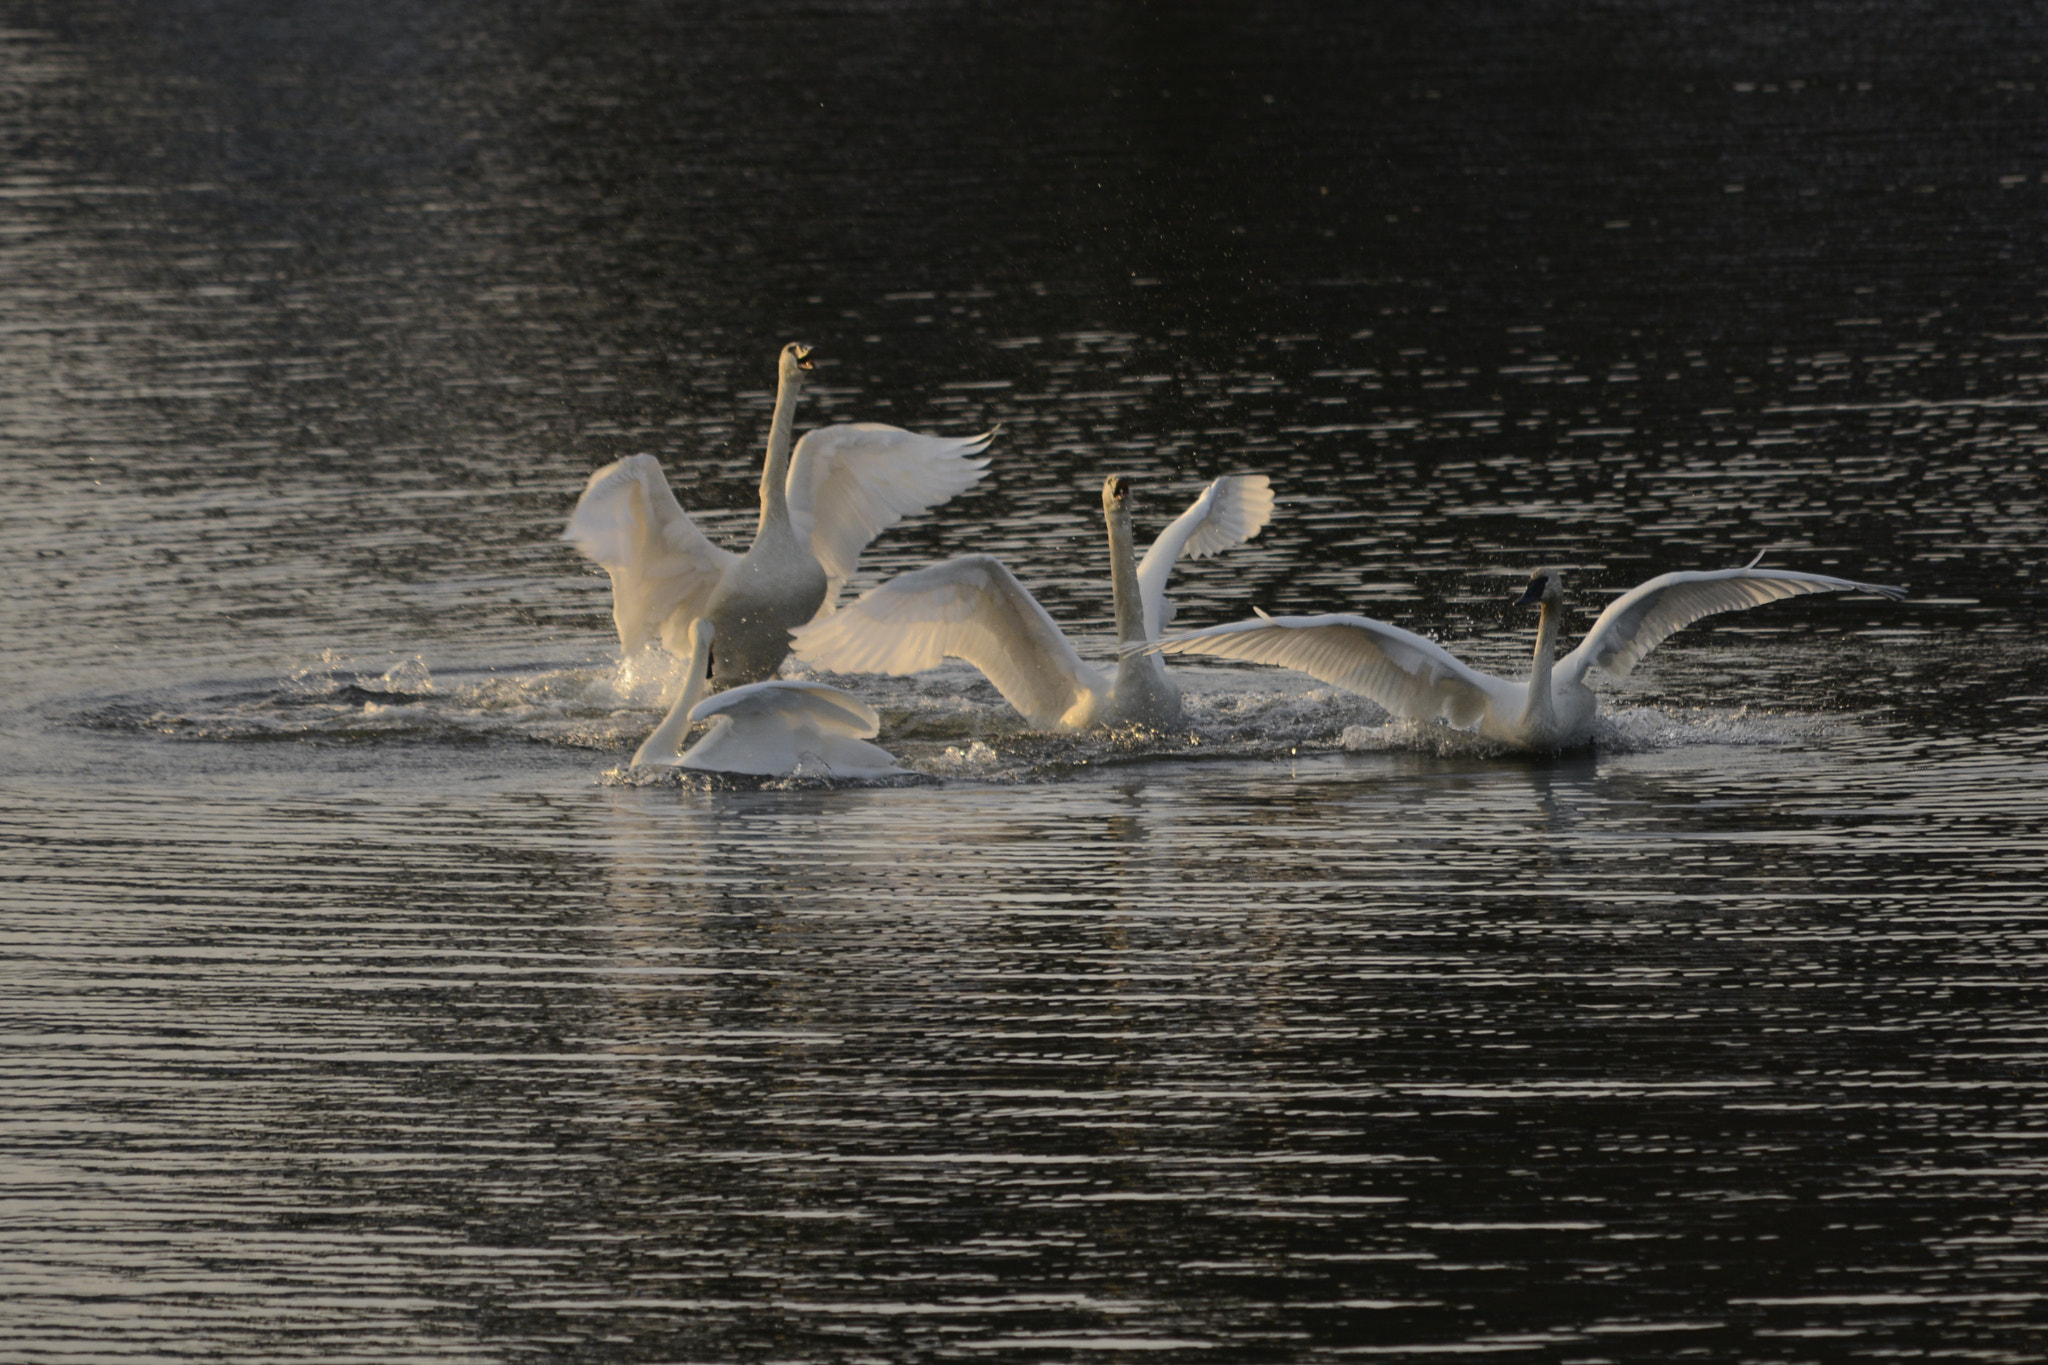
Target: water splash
(946, 726)
(1632, 730)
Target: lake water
(358, 1006)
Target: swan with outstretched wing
(1553, 708)
(973, 608)
(821, 503)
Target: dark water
(358, 1007)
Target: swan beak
(1534, 596)
(803, 358)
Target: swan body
(973, 608)
(1551, 709)
(821, 503)
(771, 728)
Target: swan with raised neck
(823, 499)
(778, 584)
(1555, 709)
(1142, 694)
(973, 608)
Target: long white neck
(1142, 692)
(665, 745)
(1541, 703)
(1123, 577)
(775, 468)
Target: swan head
(1116, 508)
(1546, 589)
(796, 359)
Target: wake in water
(1640, 729)
(946, 725)
(331, 701)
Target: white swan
(1553, 707)
(973, 608)
(842, 487)
(770, 728)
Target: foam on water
(1635, 729)
(333, 700)
(947, 725)
(805, 778)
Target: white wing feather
(847, 484)
(969, 608)
(1230, 511)
(783, 726)
(828, 708)
(1412, 677)
(1643, 617)
(629, 522)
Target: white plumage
(973, 608)
(1553, 708)
(821, 504)
(770, 729)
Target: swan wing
(776, 746)
(630, 522)
(970, 608)
(1413, 677)
(847, 484)
(828, 708)
(1230, 511)
(1641, 618)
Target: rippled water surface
(360, 1004)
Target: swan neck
(696, 682)
(1547, 628)
(775, 468)
(1123, 578)
(665, 745)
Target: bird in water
(973, 608)
(1551, 709)
(771, 728)
(821, 503)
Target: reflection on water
(360, 1009)
(1723, 1046)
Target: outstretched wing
(848, 484)
(1639, 620)
(969, 608)
(628, 521)
(793, 701)
(1230, 511)
(1412, 677)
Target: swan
(767, 728)
(1552, 708)
(974, 608)
(820, 506)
